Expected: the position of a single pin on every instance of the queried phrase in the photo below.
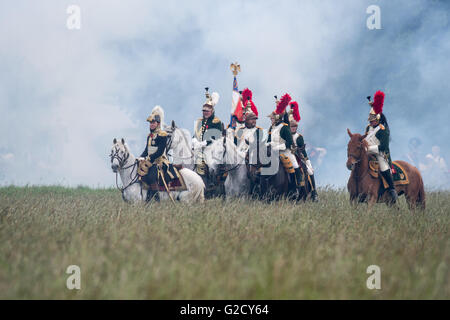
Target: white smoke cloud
(66, 94)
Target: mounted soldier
(299, 147)
(207, 128)
(280, 140)
(378, 133)
(153, 162)
(271, 116)
(249, 134)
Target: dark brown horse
(269, 187)
(363, 187)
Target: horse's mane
(359, 138)
(234, 154)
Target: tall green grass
(239, 249)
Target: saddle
(399, 174)
(168, 175)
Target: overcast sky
(65, 94)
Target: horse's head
(355, 148)
(119, 154)
(214, 155)
(179, 145)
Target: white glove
(141, 159)
(243, 148)
(278, 147)
(309, 167)
(373, 149)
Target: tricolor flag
(236, 103)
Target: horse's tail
(421, 196)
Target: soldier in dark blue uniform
(155, 156)
(206, 129)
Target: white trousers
(384, 165)
(291, 158)
(309, 167)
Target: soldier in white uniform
(378, 140)
(248, 134)
(233, 127)
(280, 139)
(299, 146)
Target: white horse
(179, 146)
(224, 156)
(124, 163)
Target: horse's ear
(349, 133)
(363, 137)
(173, 124)
(224, 133)
(123, 141)
(114, 141)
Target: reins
(358, 178)
(122, 161)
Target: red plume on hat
(295, 111)
(378, 101)
(281, 107)
(247, 96)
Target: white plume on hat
(214, 98)
(159, 110)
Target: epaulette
(285, 124)
(216, 120)
(382, 127)
(162, 133)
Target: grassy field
(234, 250)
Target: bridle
(122, 161)
(356, 163)
(224, 153)
(115, 155)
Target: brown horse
(363, 187)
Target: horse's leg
(372, 199)
(353, 201)
(410, 196)
(415, 187)
(420, 201)
(195, 187)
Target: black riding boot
(314, 191)
(293, 183)
(152, 194)
(388, 177)
(300, 186)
